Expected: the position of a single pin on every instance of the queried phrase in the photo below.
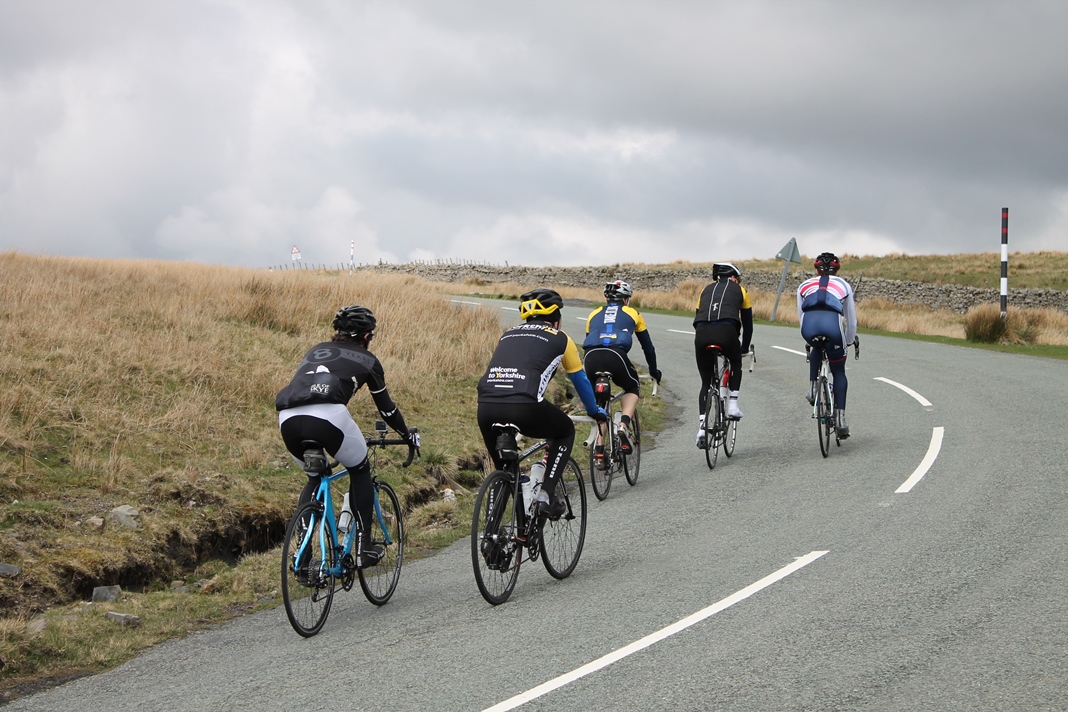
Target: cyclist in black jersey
(610, 333)
(314, 407)
(723, 311)
(513, 388)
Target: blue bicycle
(318, 558)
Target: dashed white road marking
(680, 331)
(925, 465)
(605, 661)
(793, 351)
(923, 401)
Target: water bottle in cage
(344, 520)
(537, 477)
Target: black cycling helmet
(725, 269)
(617, 291)
(354, 320)
(827, 263)
(540, 302)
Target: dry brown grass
(985, 324)
(153, 383)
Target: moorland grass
(152, 384)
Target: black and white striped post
(1004, 262)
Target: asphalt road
(780, 580)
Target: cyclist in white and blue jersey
(825, 307)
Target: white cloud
(233, 128)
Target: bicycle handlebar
(413, 447)
(856, 347)
(656, 383)
(752, 357)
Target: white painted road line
(923, 401)
(783, 348)
(461, 301)
(925, 465)
(679, 331)
(656, 637)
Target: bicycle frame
(328, 521)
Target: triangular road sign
(789, 252)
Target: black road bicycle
(719, 430)
(613, 459)
(506, 530)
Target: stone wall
(950, 297)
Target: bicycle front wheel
(562, 540)
(495, 551)
(601, 478)
(633, 461)
(824, 417)
(387, 528)
(307, 554)
(730, 437)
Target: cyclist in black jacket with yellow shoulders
(723, 311)
(513, 388)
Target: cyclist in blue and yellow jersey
(610, 332)
(314, 407)
(825, 308)
(513, 388)
(723, 311)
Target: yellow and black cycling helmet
(725, 269)
(540, 302)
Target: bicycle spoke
(380, 581)
(562, 540)
(495, 553)
(307, 553)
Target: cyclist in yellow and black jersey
(723, 311)
(610, 333)
(513, 388)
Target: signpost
(295, 254)
(790, 254)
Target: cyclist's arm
(585, 391)
(389, 411)
(747, 329)
(647, 348)
(850, 315)
(745, 313)
(573, 366)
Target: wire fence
(344, 266)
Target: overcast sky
(570, 132)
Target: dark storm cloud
(229, 131)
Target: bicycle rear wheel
(823, 414)
(562, 540)
(712, 424)
(495, 553)
(633, 461)
(307, 553)
(601, 479)
(387, 528)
